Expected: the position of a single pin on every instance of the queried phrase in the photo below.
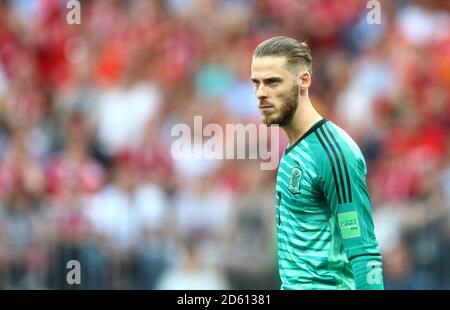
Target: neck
(304, 118)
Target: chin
(270, 121)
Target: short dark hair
(297, 53)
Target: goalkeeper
(324, 222)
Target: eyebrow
(269, 79)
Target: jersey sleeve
(343, 181)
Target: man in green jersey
(325, 230)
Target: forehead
(269, 65)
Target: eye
(272, 82)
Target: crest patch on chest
(295, 180)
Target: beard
(287, 109)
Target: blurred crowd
(86, 113)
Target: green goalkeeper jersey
(325, 230)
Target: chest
(297, 177)
(298, 192)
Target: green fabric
(368, 272)
(323, 212)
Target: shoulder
(335, 146)
(344, 140)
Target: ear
(304, 80)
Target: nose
(261, 92)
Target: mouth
(265, 107)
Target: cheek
(278, 93)
(282, 91)
(280, 97)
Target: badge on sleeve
(349, 224)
